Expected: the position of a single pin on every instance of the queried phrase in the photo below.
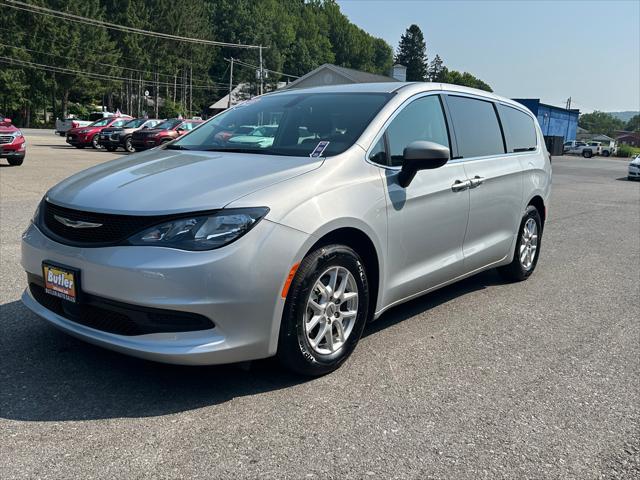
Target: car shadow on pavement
(47, 375)
(431, 300)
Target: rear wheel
(525, 256)
(325, 312)
(16, 161)
(606, 153)
(587, 154)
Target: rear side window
(519, 129)
(476, 125)
(422, 119)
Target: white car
(634, 168)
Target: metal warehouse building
(554, 121)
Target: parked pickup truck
(63, 126)
(587, 150)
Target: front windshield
(292, 124)
(135, 123)
(169, 124)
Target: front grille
(113, 229)
(6, 139)
(116, 317)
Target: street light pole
(261, 72)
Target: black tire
(15, 162)
(294, 350)
(111, 148)
(587, 153)
(128, 146)
(515, 271)
(606, 153)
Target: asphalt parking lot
(482, 379)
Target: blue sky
(529, 49)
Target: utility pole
(157, 91)
(230, 83)
(569, 103)
(190, 90)
(261, 72)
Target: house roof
(356, 76)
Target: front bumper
(237, 287)
(143, 143)
(634, 173)
(79, 140)
(110, 141)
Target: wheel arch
(538, 202)
(364, 246)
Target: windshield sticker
(319, 149)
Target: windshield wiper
(176, 147)
(234, 150)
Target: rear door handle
(460, 185)
(476, 181)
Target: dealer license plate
(60, 281)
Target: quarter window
(476, 126)
(422, 119)
(379, 153)
(519, 129)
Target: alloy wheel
(529, 244)
(332, 309)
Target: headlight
(202, 232)
(84, 131)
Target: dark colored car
(12, 143)
(162, 133)
(88, 136)
(113, 137)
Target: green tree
(600, 122)
(437, 70)
(633, 125)
(412, 53)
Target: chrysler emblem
(76, 223)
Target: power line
(248, 65)
(104, 64)
(99, 76)
(91, 21)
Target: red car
(88, 136)
(162, 133)
(12, 144)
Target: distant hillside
(624, 116)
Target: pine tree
(437, 70)
(412, 53)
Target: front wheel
(606, 153)
(587, 154)
(525, 256)
(128, 146)
(325, 311)
(95, 144)
(15, 161)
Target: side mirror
(421, 155)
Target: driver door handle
(460, 185)
(476, 181)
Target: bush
(627, 151)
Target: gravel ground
(482, 379)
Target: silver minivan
(212, 250)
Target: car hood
(8, 130)
(77, 129)
(151, 131)
(171, 181)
